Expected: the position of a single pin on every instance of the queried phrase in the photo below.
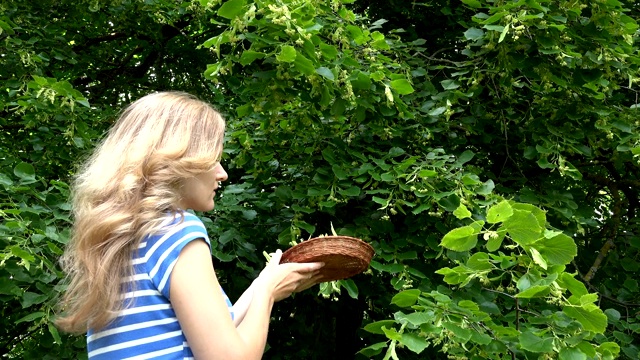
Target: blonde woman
(141, 279)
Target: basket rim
(352, 248)
(346, 256)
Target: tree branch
(610, 230)
(603, 296)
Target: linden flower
(387, 92)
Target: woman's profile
(141, 281)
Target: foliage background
(409, 124)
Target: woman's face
(198, 192)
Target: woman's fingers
(287, 278)
(308, 282)
(305, 267)
(275, 257)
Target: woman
(141, 278)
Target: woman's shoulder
(175, 227)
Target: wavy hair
(123, 191)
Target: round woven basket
(343, 256)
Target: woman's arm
(197, 299)
(241, 306)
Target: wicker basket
(343, 256)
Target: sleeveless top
(147, 327)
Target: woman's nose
(221, 174)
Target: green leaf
(5, 180)
(17, 251)
(572, 354)
(611, 347)
(372, 350)
(212, 70)
(504, 33)
(417, 318)
(351, 287)
(589, 316)
(473, 34)
(499, 212)
(438, 111)
(6, 27)
(249, 56)
(392, 334)
(462, 212)
(325, 72)
(461, 239)
(538, 259)
(449, 202)
(356, 34)
(287, 54)
(25, 171)
(232, 8)
(304, 65)
(463, 334)
(31, 317)
(465, 157)
(523, 227)
(425, 173)
(576, 287)
(243, 110)
(413, 342)
(8, 286)
(387, 177)
(406, 298)
(453, 276)
(31, 298)
(352, 191)
(449, 84)
(396, 151)
(486, 188)
(587, 348)
(534, 343)
(480, 338)
(472, 3)
(613, 315)
(54, 332)
(340, 173)
(495, 242)
(559, 250)
(376, 327)
(402, 86)
(328, 51)
(479, 261)
(361, 81)
(535, 291)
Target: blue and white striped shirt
(148, 328)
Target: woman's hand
(281, 280)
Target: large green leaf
(534, 291)
(325, 72)
(414, 342)
(536, 343)
(559, 250)
(287, 54)
(26, 172)
(406, 298)
(402, 86)
(376, 327)
(460, 239)
(572, 354)
(523, 227)
(499, 212)
(589, 316)
(232, 8)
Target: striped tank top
(148, 328)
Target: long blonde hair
(122, 193)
